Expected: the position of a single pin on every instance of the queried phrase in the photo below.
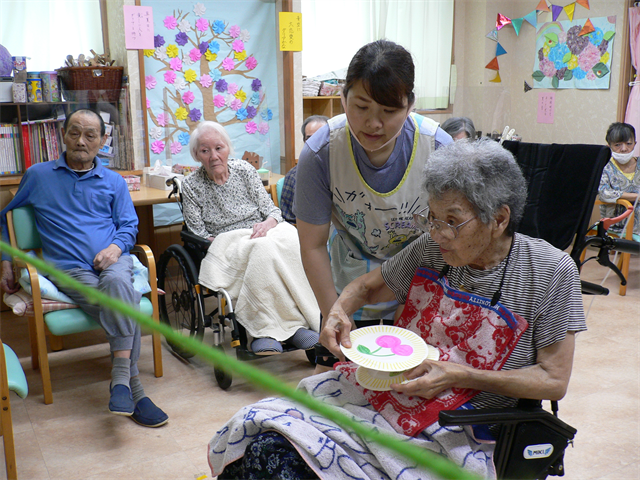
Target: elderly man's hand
(261, 229)
(8, 282)
(107, 257)
(430, 378)
(336, 330)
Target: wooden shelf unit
(327, 106)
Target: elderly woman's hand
(430, 378)
(336, 330)
(261, 229)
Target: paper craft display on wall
(213, 60)
(574, 54)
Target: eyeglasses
(427, 223)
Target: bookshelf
(32, 133)
(329, 106)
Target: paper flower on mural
(234, 31)
(251, 111)
(199, 9)
(203, 47)
(214, 47)
(158, 41)
(184, 26)
(187, 61)
(218, 101)
(175, 64)
(156, 132)
(161, 119)
(245, 36)
(157, 146)
(182, 39)
(232, 88)
(180, 84)
(228, 64)
(190, 75)
(251, 63)
(195, 115)
(188, 97)
(150, 82)
(184, 138)
(256, 85)
(221, 86)
(172, 51)
(176, 147)
(148, 52)
(202, 24)
(148, 103)
(236, 105)
(169, 77)
(241, 114)
(210, 56)
(240, 56)
(161, 53)
(240, 95)
(251, 127)
(170, 22)
(205, 81)
(218, 27)
(195, 54)
(237, 45)
(181, 113)
(268, 115)
(263, 128)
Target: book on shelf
(9, 149)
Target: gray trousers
(123, 333)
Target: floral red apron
(464, 327)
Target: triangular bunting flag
(542, 6)
(496, 79)
(500, 50)
(493, 35)
(532, 18)
(587, 29)
(569, 10)
(584, 3)
(556, 10)
(527, 87)
(493, 64)
(517, 23)
(501, 21)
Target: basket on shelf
(100, 82)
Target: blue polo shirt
(76, 216)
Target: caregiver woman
(358, 180)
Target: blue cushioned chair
(12, 379)
(24, 235)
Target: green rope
(436, 463)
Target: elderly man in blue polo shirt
(88, 224)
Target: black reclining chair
(563, 183)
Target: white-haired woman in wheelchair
(502, 309)
(225, 202)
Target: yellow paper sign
(290, 32)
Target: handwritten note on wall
(546, 106)
(290, 32)
(138, 27)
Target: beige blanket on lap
(266, 279)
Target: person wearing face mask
(358, 180)
(621, 176)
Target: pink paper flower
(206, 81)
(232, 88)
(171, 23)
(188, 97)
(195, 54)
(589, 57)
(161, 119)
(150, 82)
(234, 31)
(263, 128)
(202, 24)
(169, 77)
(176, 147)
(237, 45)
(591, 76)
(251, 62)
(148, 103)
(228, 64)
(157, 146)
(218, 101)
(175, 64)
(547, 67)
(251, 127)
(236, 105)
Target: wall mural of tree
(213, 60)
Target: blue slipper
(266, 346)
(148, 414)
(121, 402)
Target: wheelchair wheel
(223, 378)
(181, 307)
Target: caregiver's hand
(261, 229)
(430, 378)
(336, 330)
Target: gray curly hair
(484, 172)
(203, 127)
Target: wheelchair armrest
(505, 416)
(196, 240)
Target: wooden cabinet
(327, 106)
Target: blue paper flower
(158, 41)
(557, 53)
(255, 98)
(218, 27)
(184, 138)
(214, 47)
(215, 75)
(251, 111)
(255, 85)
(182, 39)
(195, 115)
(595, 37)
(221, 86)
(578, 73)
(267, 115)
(204, 46)
(241, 114)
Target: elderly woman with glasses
(501, 309)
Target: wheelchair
(184, 305)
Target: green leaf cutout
(555, 82)
(568, 75)
(552, 39)
(609, 35)
(566, 58)
(600, 69)
(363, 349)
(538, 76)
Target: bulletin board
(212, 60)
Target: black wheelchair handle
(613, 244)
(589, 288)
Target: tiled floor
(76, 438)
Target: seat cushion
(65, 322)
(15, 374)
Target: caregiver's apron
(465, 328)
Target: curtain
(334, 30)
(632, 115)
(49, 30)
